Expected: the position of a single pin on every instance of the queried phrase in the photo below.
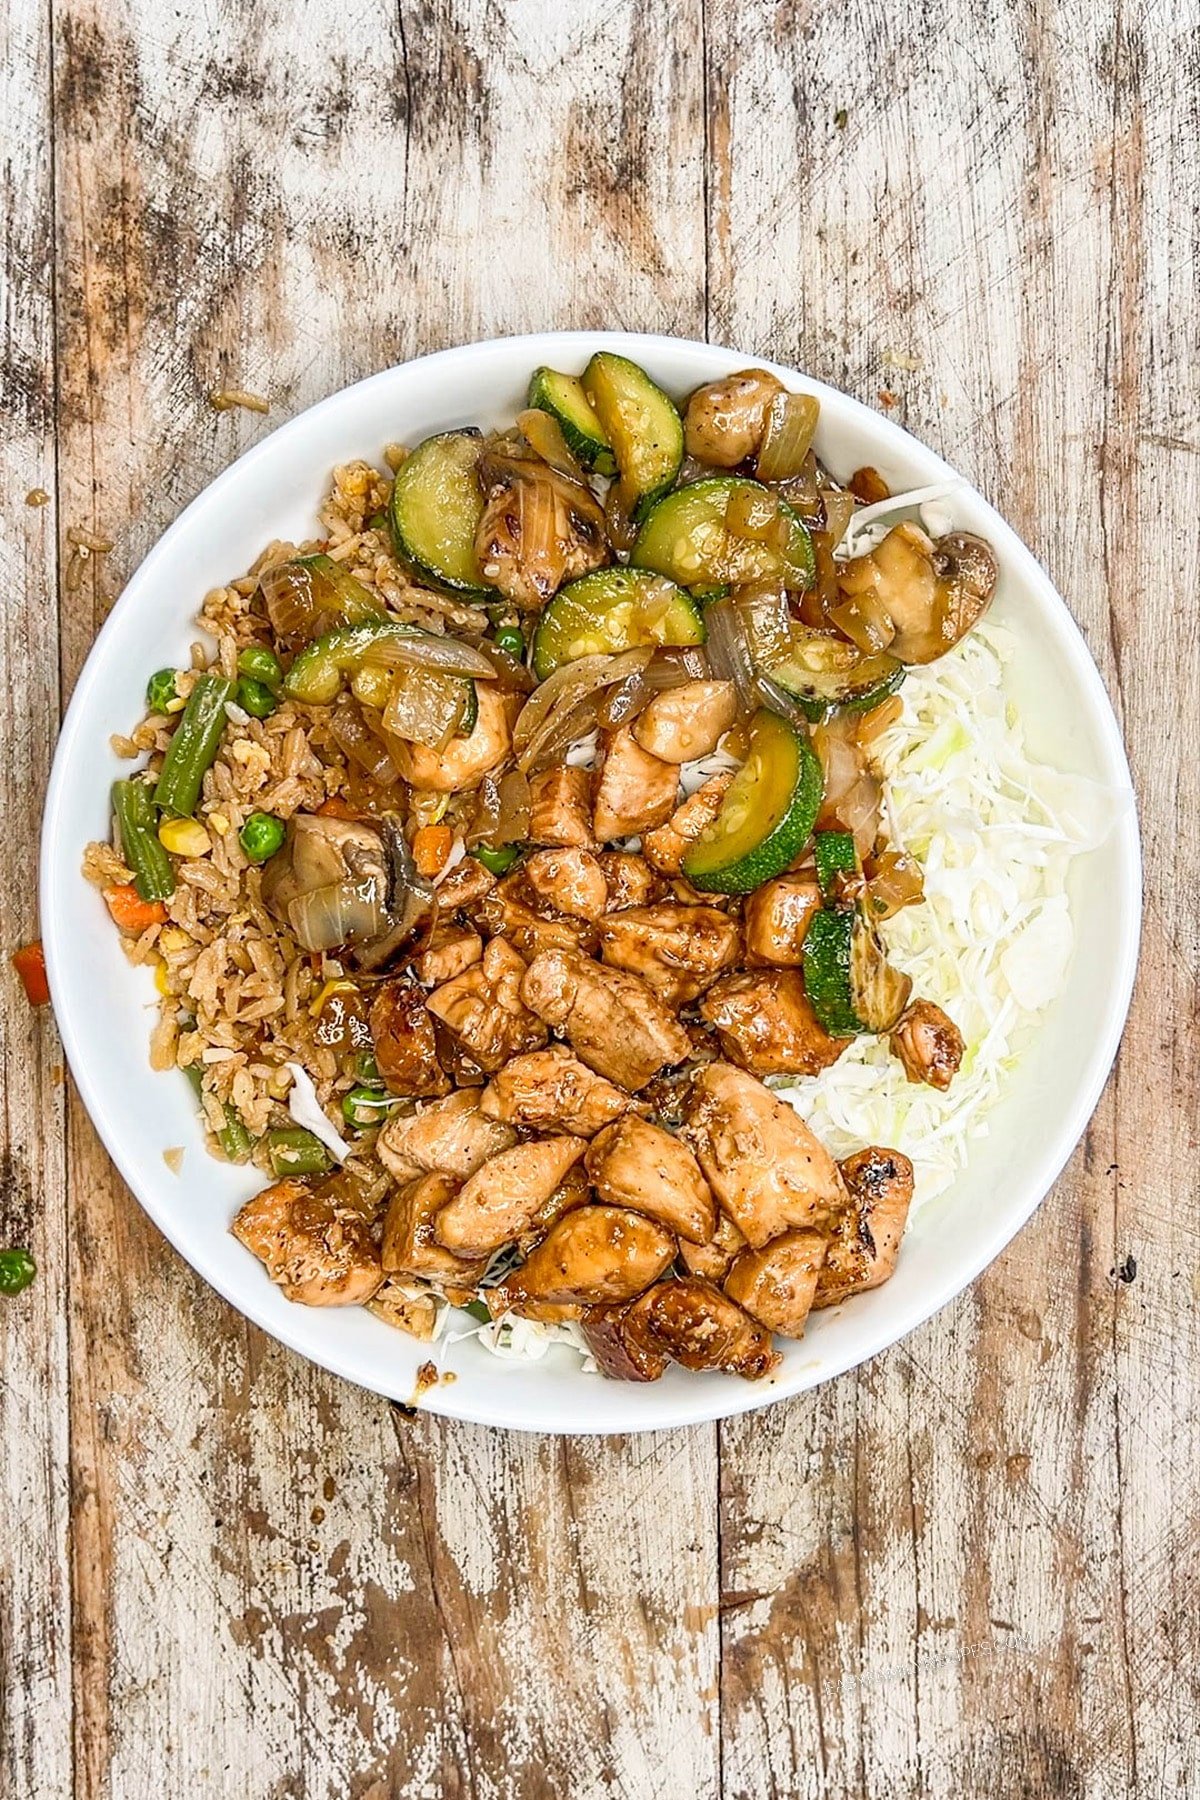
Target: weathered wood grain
(959, 1572)
(282, 1585)
(35, 1657)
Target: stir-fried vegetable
(435, 509)
(130, 913)
(193, 747)
(767, 815)
(30, 963)
(850, 984)
(834, 854)
(293, 1151)
(235, 1141)
(640, 422)
(258, 663)
(311, 594)
(612, 610)
(261, 836)
(133, 804)
(562, 396)
(162, 694)
(725, 529)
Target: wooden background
(971, 1568)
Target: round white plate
(105, 1009)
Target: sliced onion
(502, 810)
(544, 435)
(853, 796)
(364, 747)
(839, 510)
(425, 708)
(618, 522)
(441, 654)
(343, 913)
(754, 515)
(729, 652)
(509, 671)
(791, 422)
(622, 703)
(894, 880)
(566, 730)
(562, 693)
(288, 597)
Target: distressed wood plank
(283, 1586)
(969, 1557)
(35, 1643)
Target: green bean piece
(296, 1152)
(161, 690)
(17, 1270)
(364, 1107)
(256, 698)
(233, 1137)
(512, 639)
(499, 859)
(137, 827)
(193, 748)
(261, 664)
(261, 836)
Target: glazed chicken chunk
(483, 1011)
(611, 1020)
(865, 1240)
(465, 885)
(679, 951)
(636, 1164)
(634, 791)
(314, 1246)
(409, 1244)
(560, 808)
(766, 1025)
(622, 1340)
(405, 1045)
(666, 847)
(507, 911)
(775, 918)
(631, 880)
(551, 1090)
(776, 1283)
(699, 1327)
(725, 420)
(687, 721)
(453, 1135)
(928, 1043)
(451, 949)
(567, 881)
(767, 1170)
(593, 1255)
(498, 1202)
(464, 761)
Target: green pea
(261, 664)
(512, 639)
(500, 859)
(255, 697)
(261, 836)
(17, 1270)
(364, 1106)
(161, 690)
(367, 1069)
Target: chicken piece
(667, 847)
(551, 1090)
(497, 1203)
(678, 951)
(505, 912)
(405, 1046)
(612, 1021)
(687, 721)
(701, 1328)
(776, 1284)
(622, 1341)
(767, 1170)
(451, 949)
(573, 1190)
(593, 1255)
(865, 1241)
(639, 1165)
(713, 1259)
(315, 1247)
(631, 880)
(634, 791)
(538, 528)
(726, 420)
(410, 1246)
(775, 918)
(567, 881)
(765, 1023)
(483, 1011)
(465, 885)
(928, 1043)
(933, 591)
(453, 1135)
(560, 808)
(462, 763)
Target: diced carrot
(30, 963)
(336, 808)
(430, 847)
(131, 914)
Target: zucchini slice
(823, 672)
(767, 814)
(435, 509)
(562, 396)
(850, 984)
(640, 422)
(315, 678)
(687, 537)
(611, 610)
(834, 854)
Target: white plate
(105, 1009)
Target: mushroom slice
(539, 528)
(933, 591)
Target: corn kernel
(184, 837)
(171, 939)
(160, 978)
(330, 987)
(175, 706)
(219, 823)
